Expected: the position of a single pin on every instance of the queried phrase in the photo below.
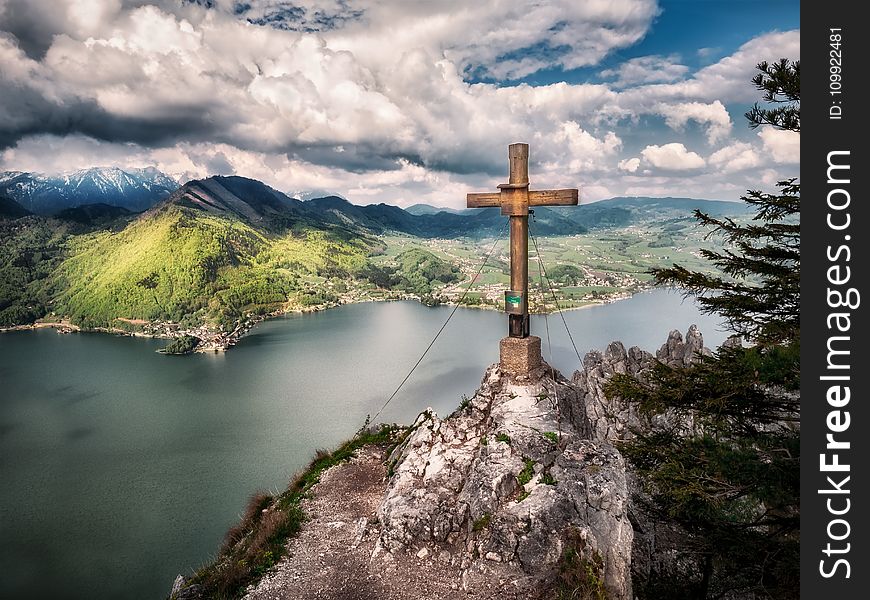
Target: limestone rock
(528, 467)
(361, 529)
(177, 585)
(678, 353)
(510, 477)
(182, 591)
(654, 540)
(608, 420)
(613, 419)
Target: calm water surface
(121, 467)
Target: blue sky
(399, 101)
(686, 26)
(700, 31)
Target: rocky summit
(519, 492)
(524, 473)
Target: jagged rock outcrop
(526, 468)
(612, 419)
(655, 541)
(510, 479)
(679, 353)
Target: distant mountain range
(217, 250)
(262, 206)
(137, 190)
(615, 212)
(133, 189)
(428, 209)
(625, 211)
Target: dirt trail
(331, 558)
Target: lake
(122, 467)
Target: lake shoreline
(100, 427)
(212, 342)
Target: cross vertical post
(520, 352)
(517, 203)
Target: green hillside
(219, 252)
(31, 248)
(416, 271)
(185, 265)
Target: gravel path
(332, 557)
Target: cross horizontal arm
(536, 198)
(483, 200)
(553, 198)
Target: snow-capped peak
(134, 189)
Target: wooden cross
(515, 198)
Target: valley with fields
(217, 255)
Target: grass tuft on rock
(464, 403)
(528, 471)
(482, 523)
(257, 503)
(580, 573)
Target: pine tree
(726, 467)
(781, 84)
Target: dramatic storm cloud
(395, 101)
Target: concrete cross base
(520, 356)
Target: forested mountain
(9, 208)
(212, 251)
(615, 212)
(218, 250)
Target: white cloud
(501, 39)
(580, 151)
(713, 115)
(783, 146)
(629, 164)
(672, 157)
(154, 77)
(736, 157)
(726, 80)
(646, 69)
(379, 95)
(769, 177)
